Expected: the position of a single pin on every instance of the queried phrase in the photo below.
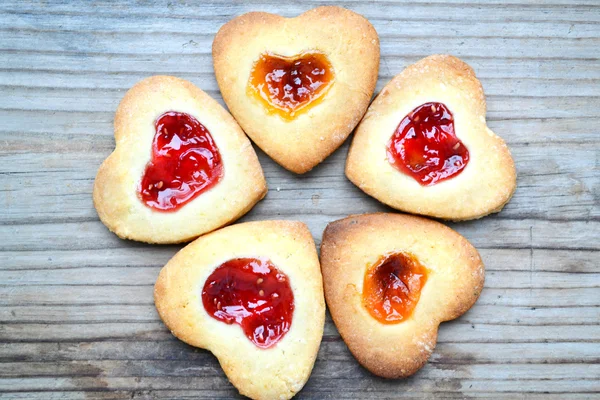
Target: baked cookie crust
(487, 182)
(455, 280)
(115, 189)
(352, 46)
(275, 373)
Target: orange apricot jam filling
(290, 85)
(392, 287)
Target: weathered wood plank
(50, 187)
(478, 11)
(538, 260)
(155, 331)
(94, 133)
(86, 395)
(57, 131)
(165, 383)
(146, 276)
(308, 392)
(166, 43)
(90, 314)
(106, 100)
(143, 295)
(150, 368)
(145, 313)
(445, 353)
(35, 22)
(489, 233)
(132, 66)
(495, 88)
(151, 257)
(535, 4)
(403, 393)
(480, 314)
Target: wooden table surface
(76, 308)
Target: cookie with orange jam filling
(424, 146)
(251, 294)
(390, 280)
(297, 86)
(182, 166)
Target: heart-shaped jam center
(185, 162)
(254, 294)
(425, 146)
(392, 287)
(288, 85)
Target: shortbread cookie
(390, 280)
(297, 86)
(252, 295)
(424, 146)
(182, 166)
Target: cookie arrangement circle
(254, 293)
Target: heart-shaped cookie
(297, 86)
(182, 166)
(424, 146)
(251, 294)
(390, 280)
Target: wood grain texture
(77, 319)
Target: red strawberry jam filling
(425, 145)
(254, 294)
(392, 287)
(185, 163)
(286, 85)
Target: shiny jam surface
(392, 287)
(254, 294)
(185, 162)
(287, 85)
(425, 146)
